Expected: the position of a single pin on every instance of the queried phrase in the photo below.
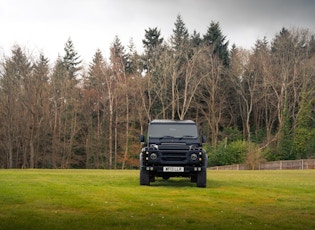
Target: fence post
(280, 165)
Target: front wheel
(144, 177)
(202, 179)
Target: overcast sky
(45, 25)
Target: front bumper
(188, 171)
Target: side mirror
(142, 139)
(203, 139)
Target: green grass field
(112, 199)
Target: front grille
(167, 157)
(173, 154)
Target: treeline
(252, 105)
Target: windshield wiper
(186, 136)
(164, 137)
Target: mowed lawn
(113, 199)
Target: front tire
(144, 177)
(202, 179)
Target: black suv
(173, 149)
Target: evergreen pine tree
(71, 60)
(152, 39)
(152, 43)
(41, 68)
(118, 57)
(215, 38)
(95, 70)
(195, 39)
(180, 36)
(131, 58)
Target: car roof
(167, 121)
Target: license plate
(173, 169)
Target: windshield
(173, 130)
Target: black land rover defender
(173, 149)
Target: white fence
(273, 165)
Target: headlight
(193, 156)
(153, 156)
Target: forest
(252, 105)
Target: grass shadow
(183, 182)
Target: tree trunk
(127, 133)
